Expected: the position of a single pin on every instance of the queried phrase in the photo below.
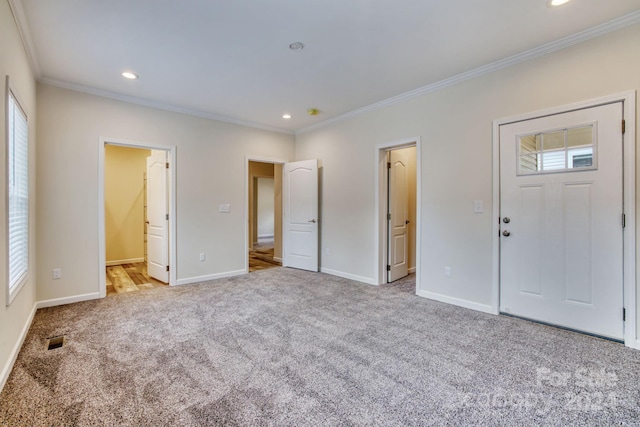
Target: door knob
(506, 220)
(506, 233)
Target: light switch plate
(478, 206)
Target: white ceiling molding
(160, 105)
(597, 31)
(25, 34)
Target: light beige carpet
(282, 347)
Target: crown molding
(159, 105)
(25, 34)
(545, 49)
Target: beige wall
(14, 63)
(455, 127)
(210, 171)
(124, 170)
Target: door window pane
(557, 150)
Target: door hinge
(624, 220)
(167, 165)
(389, 217)
(388, 268)
(624, 314)
(388, 165)
(167, 268)
(624, 126)
(167, 217)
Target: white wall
(265, 207)
(455, 126)
(210, 171)
(14, 63)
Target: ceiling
(231, 60)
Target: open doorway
(264, 246)
(398, 213)
(136, 227)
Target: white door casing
(562, 260)
(398, 214)
(300, 215)
(157, 216)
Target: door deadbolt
(506, 233)
(506, 220)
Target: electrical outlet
(203, 256)
(447, 271)
(57, 273)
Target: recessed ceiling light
(557, 2)
(286, 116)
(296, 46)
(313, 111)
(129, 75)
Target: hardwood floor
(130, 278)
(261, 257)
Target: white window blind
(17, 196)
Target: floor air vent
(55, 342)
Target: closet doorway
(398, 200)
(136, 201)
(264, 215)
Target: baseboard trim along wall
(367, 280)
(67, 300)
(124, 261)
(199, 279)
(457, 301)
(412, 270)
(8, 367)
(278, 259)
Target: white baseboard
(198, 279)
(124, 261)
(412, 270)
(67, 300)
(8, 367)
(265, 236)
(457, 301)
(367, 280)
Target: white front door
(157, 216)
(561, 247)
(300, 215)
(398, 216)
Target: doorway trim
(171, 156)
(247, 159)
(628, 181)
(381, 184)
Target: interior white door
(300, 215)
(157, 216)
(561, 209)
(398, 216)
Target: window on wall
(17, 150)
(563, 150)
